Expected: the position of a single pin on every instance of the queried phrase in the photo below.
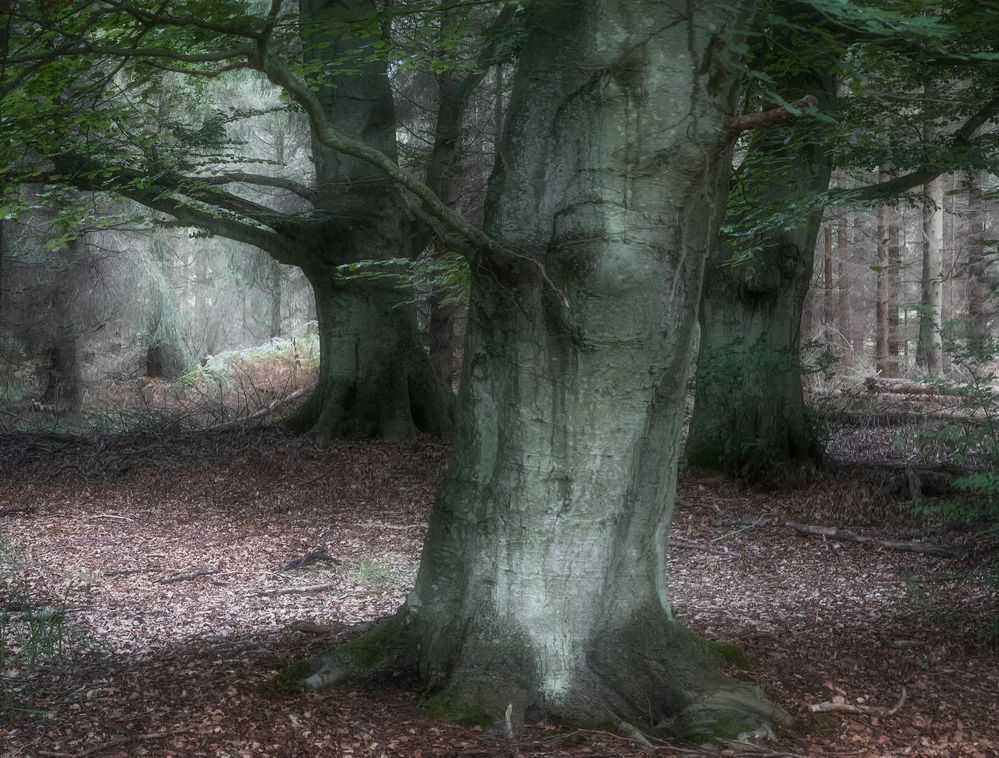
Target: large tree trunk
(749, 414)
(882, 354)
(374, 376)
(929, 351)
(543, 581)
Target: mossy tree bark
(543, 581)
(374, 377)
(750, 417)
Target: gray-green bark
(374, 377)
(543, 580)
(750, 417)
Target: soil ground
(158, 659)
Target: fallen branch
(319, 554)
(117, 741)
(845, 535)
(845, 707)
(187, 576)
(297, 590)
(310, 627)
(905, 387)
(260, 412)
(110, 516)
(130, 572)
(691, 545)
(383, 525)
(15, 509)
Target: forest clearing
(178, 614)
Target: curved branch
(279, 74)
(962, 138)
(238, 177)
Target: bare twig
(691, 545)
(117, 741)
(186, 577)
(297, 590)
(844, 707)
(845, 535)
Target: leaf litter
(185, 585)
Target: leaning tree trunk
(543, 585)
(374, 377)
(750, 417)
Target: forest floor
(165, 556)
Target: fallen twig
(15, 509)
(691, 545)
(845, 535)
(297, 590)
(110, 516)
(187, 576)
(829, 706)
(117, 741)
(310, 627)
(319, 554)
(129, 572)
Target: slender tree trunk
(882, 360)
(978, 288)
(895, 336)
(277, 291)
(542, 586)
(828, 309)
(750, 417)
(844, 318)
(929, 352)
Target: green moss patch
(721, 652)
(373, 647)
(288, 681)
(448, 705)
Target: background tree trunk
(749, 413)
(929, 351)
(882, 359)
(374, 377)
(978, 287)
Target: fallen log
(905, 387)
(845, 535)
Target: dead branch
(383, 525)
(260, 412)
(736, 125)
(297, 590)
(319, 554)
(845, 535)
(117, 741)
(186, 577)
(16, 509)
(310, 627)
(845, 707)
(906, 387)
(691, 545)
(130, 572)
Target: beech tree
(374, 377)
(542, 585)
(750, 417)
